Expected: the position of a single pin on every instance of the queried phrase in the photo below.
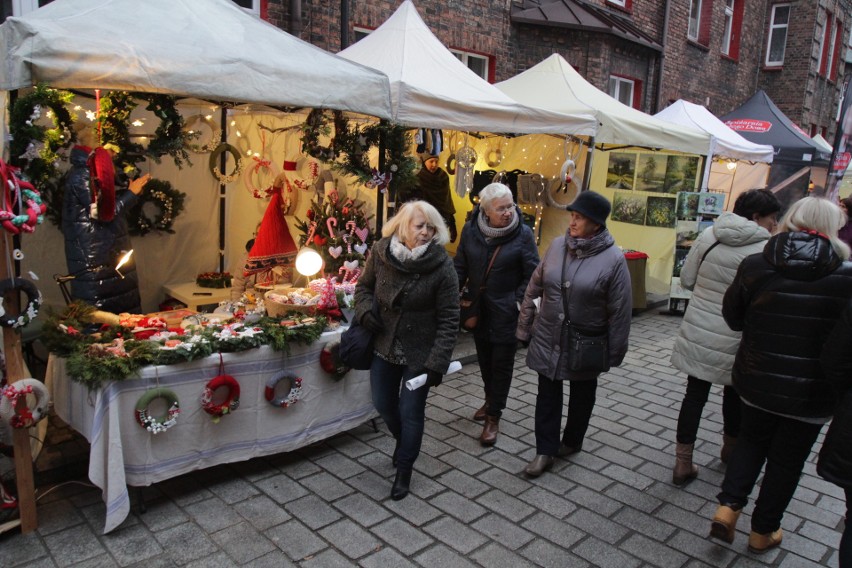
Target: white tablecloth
(123, 453)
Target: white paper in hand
(420, 380)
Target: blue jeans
(403, 410)
(784, 445)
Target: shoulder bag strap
(706, 252)
(487, 271)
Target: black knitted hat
(592, 205)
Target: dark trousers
(846, 540)
(403, 410)
(697, 392)
(548, 413)
(497, 366)
(783, 444)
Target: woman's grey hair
(817, 214)
(398, 224)
(491, 192)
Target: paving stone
(132, 544)
(218, 560)
(242, 543)
(505, 505)
(342, 466)
(56, 516)
(296, 540)
(543, 500)
(414, 510)
(602, 555)
(462, 508)
(212, 514)
(456, 535)
(326, 486)
(496, 555)
(184, 490)
(372, 485)
(262, 512)
(350, 539)
(385, 558)
(402, 536)
(233, 490)
(274, 559)
(162, 514)
(362, 510)
(644, 523)
(464, 462)
(502, 530)
(327, 559)
(653, 552)
(185, 543)
(348, 445)
(441, 556)
(73, 545)
(312, 511)
(27, 549)
(547, 554)
(462, 483)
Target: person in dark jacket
(433, 186)
(496, 222)
(97, 237)
(835, 457)
(411, 277)
(785, 300)
(585, 266)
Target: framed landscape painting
(621, 170)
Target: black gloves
(372, 323)
(434, 378)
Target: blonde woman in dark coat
(411, 277)
(585, 264)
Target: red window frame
(736, 30)
(637, 89)
(627, 7)
(826, 43)
(838, 41)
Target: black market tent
(210, 50)
(798, 159)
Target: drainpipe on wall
(344, 24)
(662, 59)
(296, 18)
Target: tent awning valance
(210, 50)
(431, 88)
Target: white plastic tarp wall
(211, 50)
(431, 88)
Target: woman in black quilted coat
(785, 300)
(835, 457)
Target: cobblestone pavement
(612, 505)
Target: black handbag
(469, 306)
(356, 345)
(587, 350)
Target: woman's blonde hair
(491, 192)
(819, 215)
(398, 224)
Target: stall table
(194, 296)
(123, 453)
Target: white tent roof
(725, 142)
(555, 85)
(431, 88)
(822, 143)
(210, 50)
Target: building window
(361, 33)
(733, 28)
(835, 50)
(475, 62)
(698, 29)
(254, 7)
(777, 35)
(625, 90)
(826, 52)
(10, 8)
(626, 5)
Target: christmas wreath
(114, 123)
(215, 133)
(170, 137)
(35, 148)
(214, 163)
(27, 416)
(290, 397)
(168, 202)
(231, 402)
(16, 194)
(155, 425)
(213, 280)
(33, 302)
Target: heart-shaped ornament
(335, 251)
(351, 264)
(362, 234)
(360, 249)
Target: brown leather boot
(684, 470)
(728, 443)
(724, 525)
(760, 543)
(479, 415)
(489, 431)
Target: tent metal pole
(222, 165)
(587, 171)
(380, 197)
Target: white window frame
(774, 26)
(616, 84)
(255, 8)
(729, 26)
(466, 56)
(622, 3)
(693, 30)
(832, 45)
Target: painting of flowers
(628, 208)
(660, 212)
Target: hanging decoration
(232, 401)
(215, 133)
(214, 163)
(16, 196)
(26, 416)
(342, 233)
(157, 425)
(286, 399)
(165, 199)
(170, 137)
(494, 156)
(36, 149)
(114, 127)
(260, 166)
(28, 313)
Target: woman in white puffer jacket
(706, 346)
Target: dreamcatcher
(566, 185)
(465, 161)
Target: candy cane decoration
(331, 222)
(346, 273)
(351, 226)
(311, 230)
(347, 238)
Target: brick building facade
(673, 61)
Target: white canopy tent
(212, 51)
(431, 88)
(822, 143)
(724, 143)
(554, 85)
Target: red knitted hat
(273, 245)
(102, 173)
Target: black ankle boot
(400, 485)
(395, 452)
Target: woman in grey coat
(586, 265)
(411, 278)
(706, 346)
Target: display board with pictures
(695, 212)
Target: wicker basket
(276, 309)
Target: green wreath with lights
(169, 203)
